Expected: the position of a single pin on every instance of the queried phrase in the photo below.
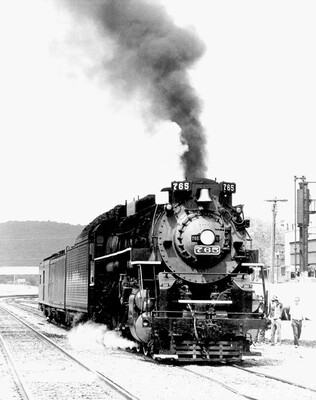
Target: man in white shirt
(297, 317)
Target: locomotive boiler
(174, 272)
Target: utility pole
(274, 213)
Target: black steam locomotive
(175, 274)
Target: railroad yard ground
(284, 361)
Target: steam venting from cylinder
(152, 57)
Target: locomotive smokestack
(151, 55)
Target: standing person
(297, 317)
(275, 316)
(260, 337)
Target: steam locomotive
(174, 272)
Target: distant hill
(27, 243)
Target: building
(16, 274)
(292, 252)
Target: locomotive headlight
(238, 209)
(207, 237)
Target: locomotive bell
(204, 196)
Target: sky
(73, 145)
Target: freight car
(174, 272)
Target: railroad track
(43, 370)
(240, 382)
(11, 385)
(277, 379)
(138, 367)
(25, 303)
(252, 385)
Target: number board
(207, 250)
(228, 187)
(181, 186)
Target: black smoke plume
(152, 56)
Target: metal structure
(302, 218)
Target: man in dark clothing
(275, 314)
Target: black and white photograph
(158, 199)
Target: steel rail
(110, 383)
(22, 387)
(268, 376)
(229, 388)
